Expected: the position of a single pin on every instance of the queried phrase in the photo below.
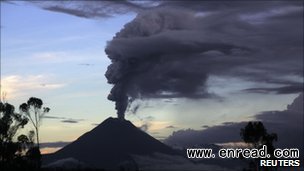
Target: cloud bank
(58, 144)
(288, 124)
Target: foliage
(255, 133)
(13, 145)
(17, 151)
(10, 123)
(35, 112)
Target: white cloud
(53, 57)
(153, 125)
(13, 86)
(47, 57)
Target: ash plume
(170, 53)
(161, 54)
(171, 48)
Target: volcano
(111, 143)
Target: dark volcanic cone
(109, 144)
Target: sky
(61, 53)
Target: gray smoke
(170, 53)
(163, 54)
(171, 48)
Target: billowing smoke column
(171, 50)
(161, 54)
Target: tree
(35, 112)
(12, 144)
(256, 134)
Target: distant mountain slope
(110, 144)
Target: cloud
(7, 1)
(86, 64)
(51, 147)
(205, 126)
(69, 121)
(288, 124)
(171, 48)
(64, 119)
(104, 9)
(47, 56)
(19, 85)
(58, 144)
(145, 122)
(76, 12)
(92, 9)
(214, 134)
(291, 89)
(145, 127)
(199, 46)
(72, 121)
(151, 125)
(57, 57)
(48, 150)
(53, 117)
(171, 127)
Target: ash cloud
(158, 56)
(168, 53)
(171, 49)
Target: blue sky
(60, 58)
(42, 55)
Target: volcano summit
(110, 144)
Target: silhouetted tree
(12, 145)
(256, 134)
(35, 112)
(34, 157)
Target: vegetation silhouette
(256, 134)
(17, 148)
(35, 112)
(19, 152)
(13, 145)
